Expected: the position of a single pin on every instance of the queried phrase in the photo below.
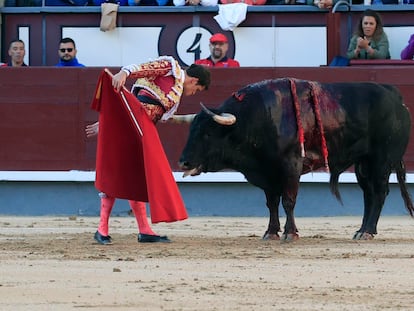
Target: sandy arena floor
(214, 263)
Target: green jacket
(381, 48)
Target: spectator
(99, 2)
(325, 4)
(150, 2)
(328, 4)
(16, 53)
(369, 40)
(66, 2)
(379, 2)
(218, 53)
(249, 2)
(159, 86)
(67, 54)
(408, 51)
(195, 2)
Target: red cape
(130, 160)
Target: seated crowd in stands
(327, 4)
(66, 52)
(323, 4)
(369, 41)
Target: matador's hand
(118, 80)
(92, 130)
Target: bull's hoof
(365, 236)
(271, 236)
(289, 237)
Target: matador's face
(191, 86)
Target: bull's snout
(184, 165)
(188, 169)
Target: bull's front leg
(289, 201)
(273, 229)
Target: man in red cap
(218, 53)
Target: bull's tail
(400, 170)
(333, 185)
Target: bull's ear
(183, 118)
(223, 118)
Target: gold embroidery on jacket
(147, 73)
(163, 67)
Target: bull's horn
(223, 119)
(183, 118)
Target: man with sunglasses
(67, 54)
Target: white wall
(398, 38)
(254, 46)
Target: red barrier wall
(44, 110)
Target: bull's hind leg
(373, 179)
(273, 229)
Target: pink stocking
(106, 207)
(140, 212)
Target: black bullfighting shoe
(102, 239)
(149, 238)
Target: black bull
(340, 124)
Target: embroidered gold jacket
(162, 79)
